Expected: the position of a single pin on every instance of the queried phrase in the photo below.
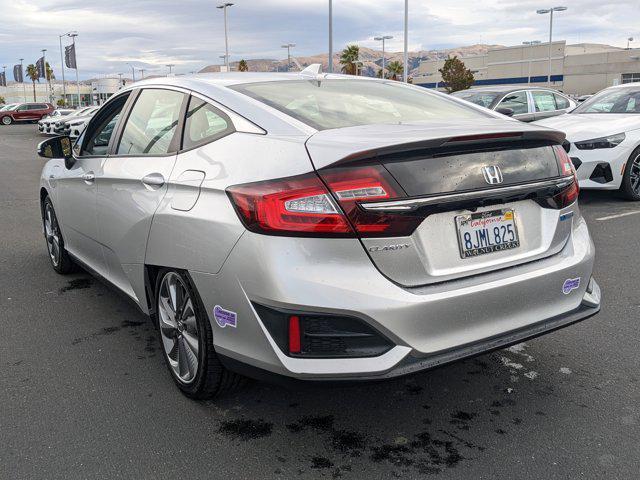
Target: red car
(26, 112)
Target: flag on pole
(70, 56)
(3, 79)
(40, 67)
(17, 73)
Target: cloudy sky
(189, 33)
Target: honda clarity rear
(320, 226)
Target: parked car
(523, 103)
(320, 227)
(73, 125)
(26, 112)
(603, 139)
(46, 124)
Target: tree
(348, 59)
(60, 102)
(395, 69)
(243, 66)
(1, 100)
(32, 73)
(455, 75)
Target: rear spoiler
(329, 148)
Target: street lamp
(406, 41)
(133, 72)
(224, 7)
(330, 36)
(550, 11)
(64, 88)
(531, 44)
(383, 38)
(170, 66)
(288, 46)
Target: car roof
(507, 88)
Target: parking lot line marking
(611, 217)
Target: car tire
(186, 338)
(630, 188)
(6, 120)
(58, 256)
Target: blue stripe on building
(503, 81)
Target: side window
(97, 135)
(204, 123)
(544, 101)
(561, 102)
(152, 123)
(517, 102)
(22, 108)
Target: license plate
(486, 232)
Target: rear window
(346, 103)
(484, 99)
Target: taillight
(354, 185)
(569, 194)
(299, 206)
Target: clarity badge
(570, 284)
(225, 317)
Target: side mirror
(505, 111)
(57, 147)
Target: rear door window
(204, 123)
(152, 123)
(516, 101)
(544, 101)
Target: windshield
(346, 103)
(484, 99)
(11, 106)
(616, 100)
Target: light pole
(24, 87)
(406, 41)
(133, 72)
(73, 36)
(550, 11)
(629, 40)
(141, 73)
(531, 44)
(224, 7)
(288, 46)
(330, 65)
(383, 38)
(170, 65)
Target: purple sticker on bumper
(225, 317)
(570, 284)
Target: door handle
(153, 180)
(89, 177)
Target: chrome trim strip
(414, 203)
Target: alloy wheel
(634, 175)
(178, 327)
(52, 234)
(6, 120)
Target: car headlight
(603, 142)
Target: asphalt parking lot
(85, 393)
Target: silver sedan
(318, 226)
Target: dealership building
(95, 92)
(579, 69)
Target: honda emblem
(492, 174)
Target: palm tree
(32, 73)
(395, 69)
(348, 59)
(243, 66)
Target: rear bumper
(412, 364)
(429, 326)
